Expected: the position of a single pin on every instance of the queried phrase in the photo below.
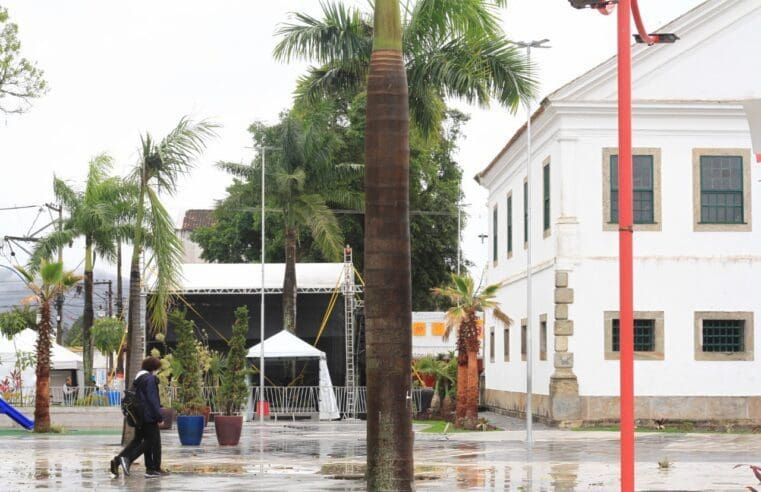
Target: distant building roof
(196, 218)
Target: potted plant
(233, 392)
(190, 404)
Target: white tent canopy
(285, 345)
(61, 358)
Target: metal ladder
(348, 293)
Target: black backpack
(132, 406)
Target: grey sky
(117, 69)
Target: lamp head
(591, 4)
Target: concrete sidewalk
(308, 456)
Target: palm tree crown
(452, 48)
(300, 187)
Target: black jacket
(147, 390)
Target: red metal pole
(626, 330)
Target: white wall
(511, 375)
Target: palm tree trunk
(462, 389)
(135, 334)
(387, 260)
(471, 396)
(289, 280)
(119, 302)
(42, 397)
(88, 317)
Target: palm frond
(342, 34)
(427, 108)
(442, 19)
(47, 247)
(65, 194)
(334, 77)
(502, 316)
(236, 169)
(167, 256)
(475, 70)
(322, 223)
(174, 155)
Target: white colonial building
(697, 241)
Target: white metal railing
(290, 400)
(307, 401)
(76, 396)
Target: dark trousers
(147, 441)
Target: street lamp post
(529, 309)
(260, 408)
(626, 10)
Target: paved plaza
(329, 456)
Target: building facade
(697, 241)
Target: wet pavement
(329, 456)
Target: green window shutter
(643, 195)
(495, 235)
(546, 197)
(721, 190)
(723, 335)
(509, 224)
(644, 335)
(525, 212)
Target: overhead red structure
(625, 214)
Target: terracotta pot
(228, 429)
(167, 415)
(205, 414)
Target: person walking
(147, 438)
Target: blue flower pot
(190, 429)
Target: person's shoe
(115, 467)
(152, 474)
(125, 465)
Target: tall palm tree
(300, 185)
(53, 281)
(452, 48)
(463, 317)
(388, 285)
(94, 214)
(158, 169)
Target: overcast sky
(117, 69)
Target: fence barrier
(286, 401)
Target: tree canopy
(434, 193)
(20, 79)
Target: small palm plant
(53, 281)
(463, 317)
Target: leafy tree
(233, 393)
(107, 336)
(462, 317)
(53, 281)
(73, 336)
(434, 187)
(159, 166)
(97, 214)
(17, 320)
(388, 297)
(300, 184)
(187, 367)
(20, 79)
(451, 48)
